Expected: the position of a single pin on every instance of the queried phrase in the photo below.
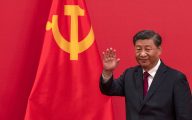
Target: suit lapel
(159, 77)
(139, 83)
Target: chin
(144, 65)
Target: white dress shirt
(152, 73)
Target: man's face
(147, 53)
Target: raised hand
(110, 61)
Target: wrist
(107, 74)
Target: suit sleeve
(113, 87)
(182, 99)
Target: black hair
(148, 34)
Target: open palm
(110, 60)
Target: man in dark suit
(152, 90)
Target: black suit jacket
(169, 96)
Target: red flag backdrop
(66, 85)
(115, 22)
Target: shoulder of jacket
(132, 69)
(176, 72)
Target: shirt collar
(154, 69)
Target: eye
(148, 49)
(138, 49)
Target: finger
(105, 58)
(111, 53)
(107, 52)
(107, 55)
(118, 59)
(104, 55)
(114, 53)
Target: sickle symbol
(73, 47)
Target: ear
(160, 50)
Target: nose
(143, 54)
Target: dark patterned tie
(145, 83)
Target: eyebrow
(144, 45)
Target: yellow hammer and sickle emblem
(74, 47)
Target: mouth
(143, 60)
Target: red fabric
(145, 83)
(66, 89)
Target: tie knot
(146, 74)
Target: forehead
(145, 42)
